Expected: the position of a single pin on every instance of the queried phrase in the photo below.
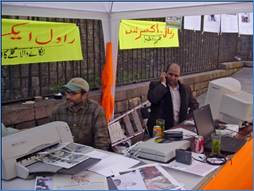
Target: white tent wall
(111, 13)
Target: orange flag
(107, 98)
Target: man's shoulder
(60, 107)
(94, 104)
(185, 87)
(154, 83)
(59, 110)
(95, 107)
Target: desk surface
(190, 181)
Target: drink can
(157, 131)
(161, 123)
(199, 144)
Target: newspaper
(43, 183)
(64, 159)
(116, 132)
(65, 155)
(77, 148)
(81, 181)
(146, 177)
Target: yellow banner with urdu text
(146, 34)
(26, 41)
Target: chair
(127, 129)
(145, 111)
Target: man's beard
(72, 103)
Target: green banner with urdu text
(26, 41)
(146, 34)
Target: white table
(190, 181)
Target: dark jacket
(162, 106)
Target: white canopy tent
(110, 13)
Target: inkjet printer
(19, 149)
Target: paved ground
(245, 78)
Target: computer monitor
(217, 89)
(228, 102)
(204, 121)
(236, 108)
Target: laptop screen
(204, 121)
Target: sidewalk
(245, 78)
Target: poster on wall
(192, 23)
(245, 21)
(212, 23)
(174, 22)
(146, 34)
(27, 41)
(229, 23)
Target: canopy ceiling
(112, 12)
(112, 7)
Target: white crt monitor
(216, 89)
(236, 108)
(228, 102)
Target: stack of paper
(113, 164)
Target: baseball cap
(76, 84)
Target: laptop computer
(205, 127)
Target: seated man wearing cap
(85, 117)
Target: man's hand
(163, 78)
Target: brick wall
(22, 116)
